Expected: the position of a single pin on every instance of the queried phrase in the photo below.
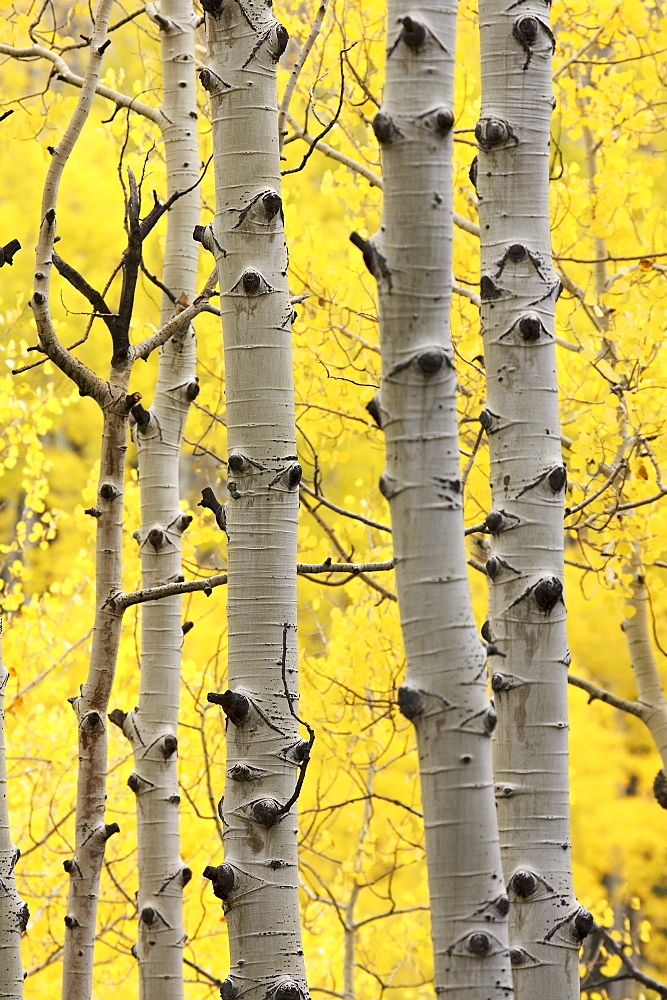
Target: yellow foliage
(360, 824)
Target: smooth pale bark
(152, 726)
(444, 693)
(650, 694)
(91, 832)
(527, 612)
(91, 706)
(258, 880)
(13, 911)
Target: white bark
(651, 699)
(527, 613)
(445, 688)
(13, 911)
(258, 880)
(152, 726)
(91, 832)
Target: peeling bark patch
(478, 944)
(373, 259)
(287, 990)
(430, 362)
(222, 879)
(503, 682)
(660, 788)
(385, 130)
(494, 133)
(410, 702)
(228, 991)
(444, 121)
(449, 490)
(526, 30)
(235, 706)
(266, 811)
(388, 486)
(373, 409)
(489, 290)
(489, 420)
(530, 328)
(523, 884)
(548, 593)
(517, 253)
(472, 173)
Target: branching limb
(341, 510)
(596, 693)
(77, 281)
(334, 154)
(373, 179)
(616, 949)
(119, 602)
(87, 382)
(178, 324)
(649, 687)
(298, 66)
(621, 467)
(62, 71)
(388, 594)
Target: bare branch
(341, 510)
(373, 179)
(61, 71)
(119, 602)
(298, 66)
(637, 974)
(596, 693)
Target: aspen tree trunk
(650, 694)
(13, 911)
(91, 832)
(444, 693)
(527, 612)
(258, 880)
(152, 726)
(91, 707)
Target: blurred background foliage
(365, 905)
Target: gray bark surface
(527, 612)
(444, 693)
(258, 880)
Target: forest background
(364, 890)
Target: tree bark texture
(91, 832)
(650, 694)
(13, 911)
(91, 706)
(526, 626)
(258, 880)
(152, 726)
(444, 693)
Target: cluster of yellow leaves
(362, 867)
